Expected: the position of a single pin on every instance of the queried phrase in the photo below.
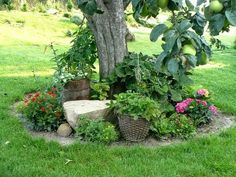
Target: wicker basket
(133, 130)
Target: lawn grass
(22, 57)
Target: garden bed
(219, 123)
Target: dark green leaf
(157, 31)
(231, 16)
(183, 26)
(216, 24)
(173, 66)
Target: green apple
(189, 49)
(204, 59)
(216, 6)
(163, 3)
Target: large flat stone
(90, 108)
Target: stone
(64, 130)
(52, 11)
(90, 108)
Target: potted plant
(134, 114)
(76, 66)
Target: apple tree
(184, 45)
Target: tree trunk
(109, 30)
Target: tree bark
(109, 30)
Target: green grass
(24, 156)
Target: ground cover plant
(21, 155)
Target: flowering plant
(43, 110)
(199, 110)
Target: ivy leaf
(231, 16)
(173, 66)
(157, 31)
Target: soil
(219, 123)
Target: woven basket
(133, 130)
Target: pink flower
(203, 92)
(213, 109)
(204, 103)
(182, 106)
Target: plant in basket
(135, 113)
(76, 66)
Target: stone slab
(90, 108)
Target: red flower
(52, 94)
(33, 99)
(43, 109)
(36, 94)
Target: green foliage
(43, 110)
(183, 126)
(136, 106)
(138, 73)
(100, 90)
(69, 5)
(96, 130)
(78, 61)
(176, 125)
(24, 8)
(88, 7)
(76, 20)
(67, 15)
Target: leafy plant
(183, 126)
(100, 90)
(69, 5)
(78, 61)
(43, 110)
(96, 130)
(138, 73)
(136, 106)
(199, 110)
(176, 125)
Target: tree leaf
(159, 60)
(183, 26)
(216, 24)
(173, 66)
(157, 31)
(231, 16)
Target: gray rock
(90, 108)
(64, 130)
(52, 11)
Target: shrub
(67, 15)
(100, 90)
(198, 109)
(76, 20)
(176, 125)
(43, 110)
(96, 130)
(24, 8)
(69, 5)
